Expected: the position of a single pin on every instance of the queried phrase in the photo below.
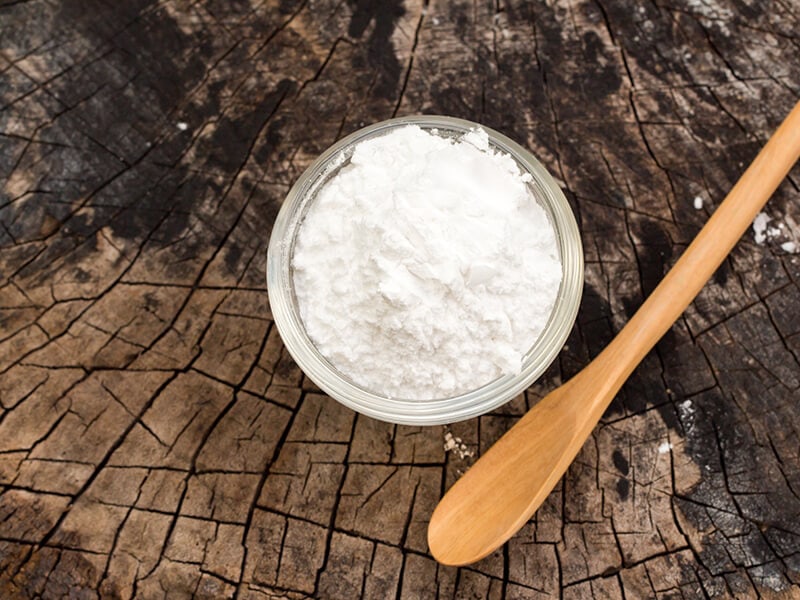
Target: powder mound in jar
(425, 268)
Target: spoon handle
(702, 258)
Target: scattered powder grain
(425, 268)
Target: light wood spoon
(507, 484)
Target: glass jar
(280, 283)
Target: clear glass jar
(280, 283)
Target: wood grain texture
(155, 438)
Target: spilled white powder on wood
(455, 444)
(686, 410)
(425, 268)
(664, 448)
(765, 230)
(760, 227)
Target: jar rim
(469, 404)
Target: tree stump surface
(156, 439)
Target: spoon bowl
(497, 516)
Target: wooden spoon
(507, 484)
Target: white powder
(760, 227)
(764, 232)
(455, 444)
(425, 268)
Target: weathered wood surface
(157, 441)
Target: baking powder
(425, 268)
